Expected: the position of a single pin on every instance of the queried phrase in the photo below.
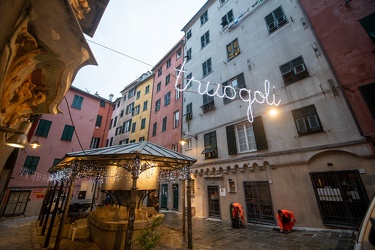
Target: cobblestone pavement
(21, 233)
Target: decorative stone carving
(80, 7)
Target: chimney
(111, 97)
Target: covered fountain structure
(133, 160)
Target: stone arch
(332, 160)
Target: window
(368, 93)
(227, 19)
(127, 125)
(131, 93)
(138, 94)
(141, 139)
(115, 122)
(31, 162)
(204, 17)
(205, 39)
(124, 99)
(275, 20)
(208, 102)
(189, 112)
(98, 122)
(169, 63)
(164, 125)
(233, 49)
(43, 128)
(118, 104)
(67, 133)
(206, 67)
(160, 71)
(122, 113)
(177, 93)
(145, 105)
(188, 145)
(210, 146)
(102, 103)
(143, 123)
(167, 98)
(77, 102)
(175, 147)
(246, 137)
(368, 23)
(188, 34)
(154, 128)
(134, 125)
(178, 68)
(222, 2)
(188, 55)
(178, 54)
(137, 109)
(167, 79)
(158, 87)
(129, 109)
(176, 119)
(147, 89)
(110, 124)
(157, 105)
(111, 141)
(94, 142)
(235, 83)
(294, 70)
(188, 78)
(307, 120)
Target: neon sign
(244, 94)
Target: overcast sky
(142, 29)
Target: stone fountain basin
(107, 225)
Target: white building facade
(243, 59)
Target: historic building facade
(244, 60)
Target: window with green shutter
(67, 134)
(77, 102)
(43, 128)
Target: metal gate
(17, 203)
(213, 202)
(341, 196)
(258, 202)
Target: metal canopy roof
(122, 154)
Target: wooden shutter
(259, 133)
(231, 140)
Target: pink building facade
(83, 124)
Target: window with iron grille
(275, 20)
(307, 120)
(77, 102)
(210, 146)
(164, 125)
(31, 162)
(43, 128)
(67, 134)
(206, 67)
(204, 17)
(233, 49)
(294, 70)
(205, 39)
